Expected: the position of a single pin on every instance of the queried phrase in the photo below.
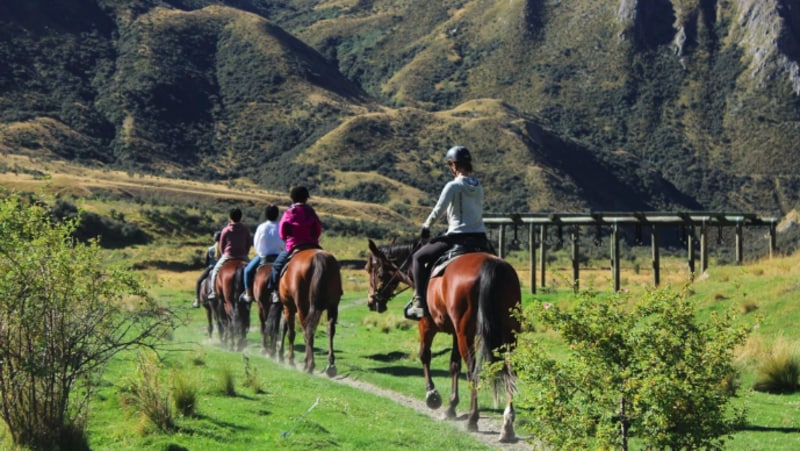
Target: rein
(399, 273)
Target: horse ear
(375, 251)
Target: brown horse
(474, 301)
(233, 315)
(269, 313)
(310, 285)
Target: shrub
(149, 396)
(63, 317)
(227, 382)
(779, 372)
(648, 370)
(184, 394)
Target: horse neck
(400, 254)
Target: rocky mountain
(586, 104)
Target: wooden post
(615, 255)
(738, 243)
(501, 242)
(542, 261)
(772, 246)
(656, 258)
(690, 244)
(703, 247)
(575, 260)
(532, 250)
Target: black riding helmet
(458, 154)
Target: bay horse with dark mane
(310, 285)
(233, 315)
(474, 301)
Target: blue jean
(250, 272)
(277, 267)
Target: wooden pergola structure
(656, 221)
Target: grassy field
(275, 407)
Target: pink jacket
(299, 225)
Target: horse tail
(325, 288)
(326, 283)
(498, 295)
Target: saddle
(267, 259)
(469, 245)
(295, 250)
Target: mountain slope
(588, 104)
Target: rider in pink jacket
(299, 226)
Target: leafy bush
(64, 316)
(650, 371)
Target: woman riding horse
(462, 199)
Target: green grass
(292, 410)
(381, 349)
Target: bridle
(386, 290)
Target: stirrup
(274, 297)
(414, 309)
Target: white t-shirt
(266, 240)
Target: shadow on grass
(754, 428)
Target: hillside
(603, 105)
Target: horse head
(385, 275)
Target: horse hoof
(331, 371)
(433, 400)
(508, 438)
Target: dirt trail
(488, 427)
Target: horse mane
(397, 252)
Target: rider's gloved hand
(425, 233)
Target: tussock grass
(779, 370)
(184, 393)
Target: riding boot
(247, 296)
(416, 308)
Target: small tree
(649, 371)
(63, 316)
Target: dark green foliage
(367, 192)
(111, 232)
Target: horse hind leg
(455, 371)
(309, 329)
(331, 370)
(509, 415)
